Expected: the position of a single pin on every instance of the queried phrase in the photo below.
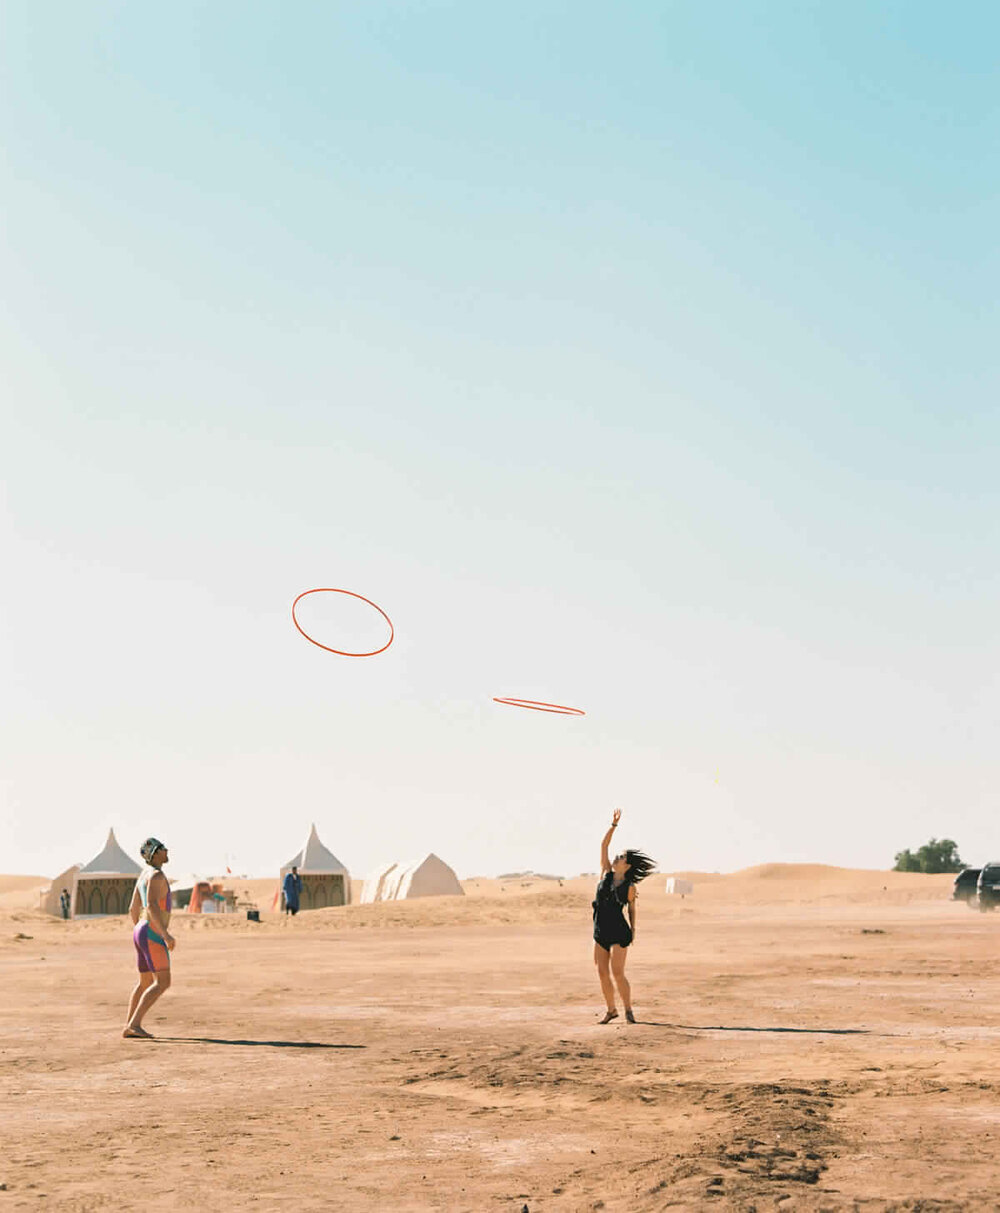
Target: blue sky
(639, 359)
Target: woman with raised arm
(612, 934)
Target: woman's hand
(170, 941)
(616, 816)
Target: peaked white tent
(427, 877)
(325, 880)
(103, 886)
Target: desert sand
(809, 1038)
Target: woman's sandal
(137, 1034)
(609, 1015)
(629, 1017)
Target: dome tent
(375, 883)
(325, 880)
(427, 877)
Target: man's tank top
(164, 905)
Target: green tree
(938, 855)
(906, 861)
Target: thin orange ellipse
(537, 705)
(350, 594)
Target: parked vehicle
(988, 887)
(966, 886)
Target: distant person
(150, 914)
(64, 903)
(292, 888)
(612, 934)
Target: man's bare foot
(609, 1015)
(136, 1033)
(629, 1017)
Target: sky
(638, 358)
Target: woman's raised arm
(605, 861)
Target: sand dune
(19, 892)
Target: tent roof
(112, 861)
(314, 857)
(414, 865)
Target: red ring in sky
(351, 594)
(537, 705)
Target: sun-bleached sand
(809, 1038)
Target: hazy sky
(637, 357)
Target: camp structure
(50, 899)
(427, 877)
(103, 886)
(374, 887)
(199, 895)
(325, 880)
(677, 886)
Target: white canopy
(314, 858)
(112, 861)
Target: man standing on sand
(150, 912)
(292, 887)
(64, 902)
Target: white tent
(676, 885)
(374, 885)
(325, 880)
(427, 877)
(103, 886)
(50, 899)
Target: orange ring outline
(537, 705)
(351, 593)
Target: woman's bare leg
(159, 985)
(618, 957)
(603, 960)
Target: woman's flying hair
(640, 866)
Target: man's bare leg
(159, 985)
(145, 981)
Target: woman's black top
(609, 904)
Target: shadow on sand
(719, 1027)
(258, 1044)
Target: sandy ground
(809, 1038)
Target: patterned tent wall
(322, 889)
(103, 894)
